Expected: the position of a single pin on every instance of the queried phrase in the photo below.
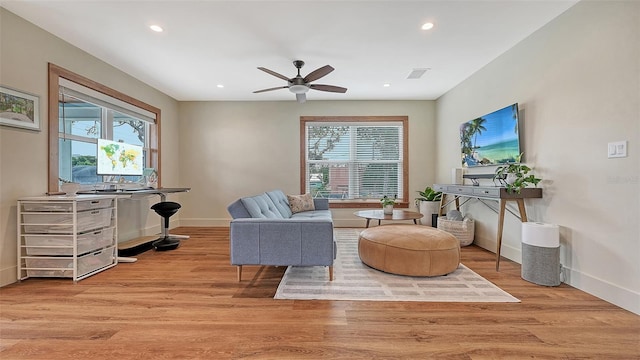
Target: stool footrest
(166, 243)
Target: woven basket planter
(462, 230)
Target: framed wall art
(19, 109)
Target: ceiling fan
(300, 85)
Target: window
(83, 119)
(354, 161)
(87, 111)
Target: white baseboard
(624, 298)
(612, 293)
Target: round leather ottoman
(412, 250)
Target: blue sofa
(264, 231)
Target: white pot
(428, 208)
(70, 188)
(511, 178)
(387, 209)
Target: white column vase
(387, 209)
(428, 208)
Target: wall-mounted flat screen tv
(117, 158)
(491, 139)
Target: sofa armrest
(321, 204)
(237, 210)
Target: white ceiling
(369, 43)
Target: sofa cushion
(321, 204)
(261, 206)
(300, 203)
(281, 202)
(316, 215)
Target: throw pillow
(299, 203)
(454, 215)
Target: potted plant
(428, 204)
(387, 204)
(515, 176)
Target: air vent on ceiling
(417, 73)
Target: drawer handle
(95, 212)
(97, 232)
(95, 201)
(485, 191)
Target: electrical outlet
(617, 149)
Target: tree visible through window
(354, 161)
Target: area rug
(354, 280)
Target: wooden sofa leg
(330, 273)
(239, 273)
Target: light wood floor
(186, 304)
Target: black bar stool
(166, 209)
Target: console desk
(492, 193)
(127, 193)
(133, 193)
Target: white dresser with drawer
(66, 236)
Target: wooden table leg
(503, 204)
(368, 222)
(523, 210)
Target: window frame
(357, 203)
(55, 74)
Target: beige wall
(25, 51)
(577, 81)
(236, 149)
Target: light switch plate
(617, 149)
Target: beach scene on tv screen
(491, 139)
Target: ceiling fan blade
(318, 73)
(301, 98)
(274, 73)
(329, 88)
(275, 88)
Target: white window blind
(354, 161)
(69, 88)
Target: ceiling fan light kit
(298, 89)
(299, 85)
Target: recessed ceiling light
(220, 86)
(427, 26)
(156, 28)
(386, 85)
